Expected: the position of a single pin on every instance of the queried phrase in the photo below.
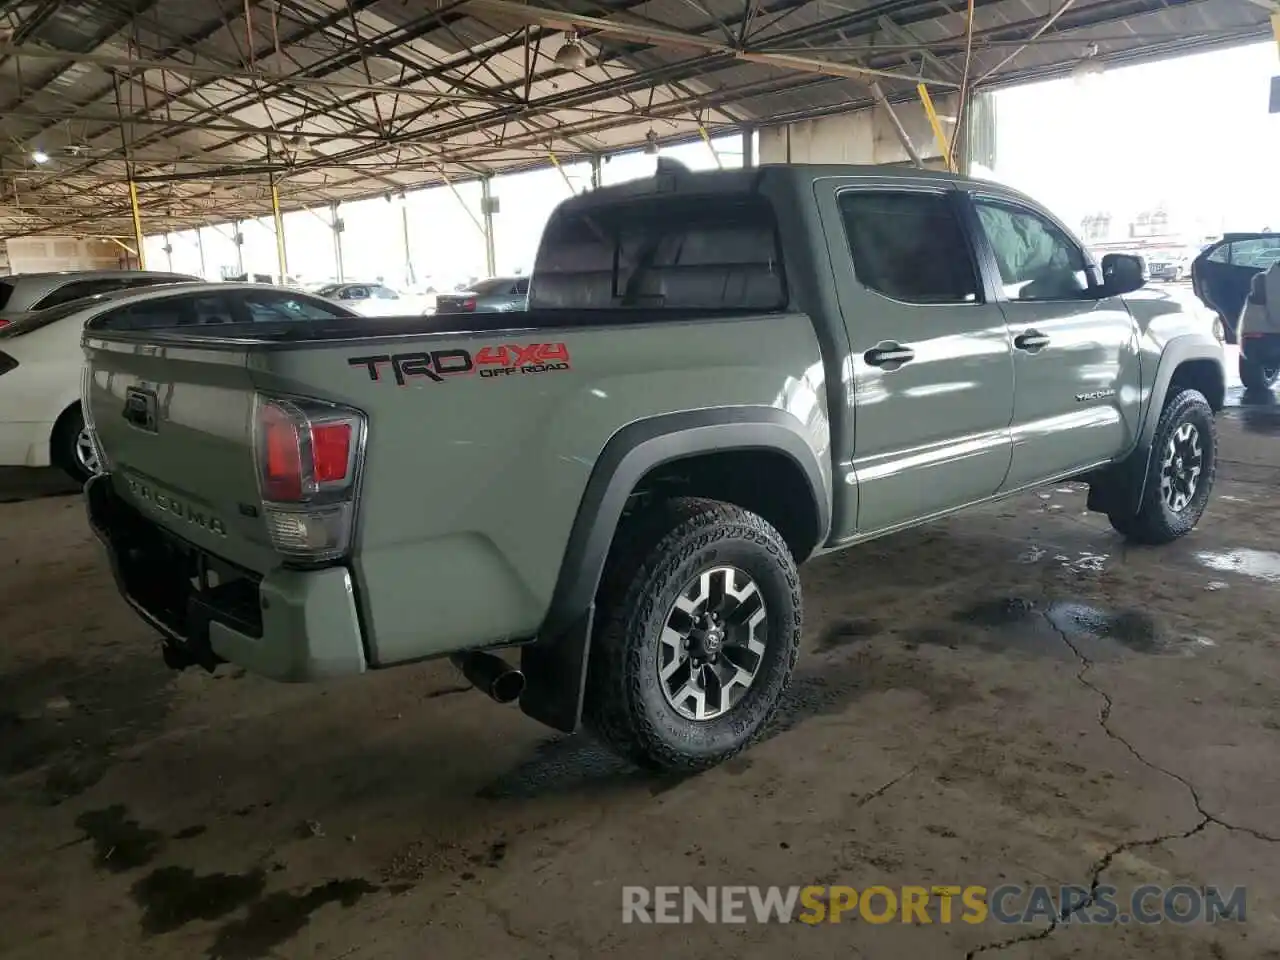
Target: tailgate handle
(140, 408)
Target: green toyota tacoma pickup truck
(720, 376)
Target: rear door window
(677, 252)
(909, 246)
(6, 289)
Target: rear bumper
(291, 625)
(1261, 348)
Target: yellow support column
(934, 122)
(281, 256)
(137, 225)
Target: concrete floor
(1011, 695)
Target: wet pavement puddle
(1018, 625)
(1258, 564)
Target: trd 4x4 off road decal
(508, 359)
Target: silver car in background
(495, 295)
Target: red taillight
(4, 323)
(308, 455)
(330, 451)
(281, 455)
(469, 303)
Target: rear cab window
(663, 253)
(6, 291)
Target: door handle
(1032, 341)
(889, 355)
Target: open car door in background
(1222, 273)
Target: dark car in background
(1223, 272)
(495, 295)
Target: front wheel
(1180, 472)
(1257, 376)
(700, 616)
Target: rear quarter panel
(44, 384)
(471, 484)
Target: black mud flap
(1117, 489)
(555, 672)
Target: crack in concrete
(881, 790)
(1100, 867)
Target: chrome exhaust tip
(490, 674)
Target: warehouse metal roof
(206, 103)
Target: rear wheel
(72, 447)
(1256, 376)
(1180, 473)
(700, 616)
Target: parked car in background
(369, 299)
(40, 357)
(1260, 330)
(495, 295)
(1166, 267)
(1223, 272)
(24, 292)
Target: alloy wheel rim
(1180, 469)
(713, 643)
(86, 453)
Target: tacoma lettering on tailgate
(501, 360)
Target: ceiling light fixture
(651, 146)
(39, 156)
(571, 55)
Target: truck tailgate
(176, 423)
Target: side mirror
(1121, 274)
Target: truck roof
(674, 177)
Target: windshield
(329, 289)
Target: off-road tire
(1256, 376)
(1155, 522)
(654, 555)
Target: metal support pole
(238, 239)
(337, 240)
(706, 138)
(282, 257)
(137, 224)
(486, 210)
(878, 93)
(204, 271)
(408, 249)
(595, 171)
(748, 148)
(944, 147)
(555, 162)
(168, 249)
